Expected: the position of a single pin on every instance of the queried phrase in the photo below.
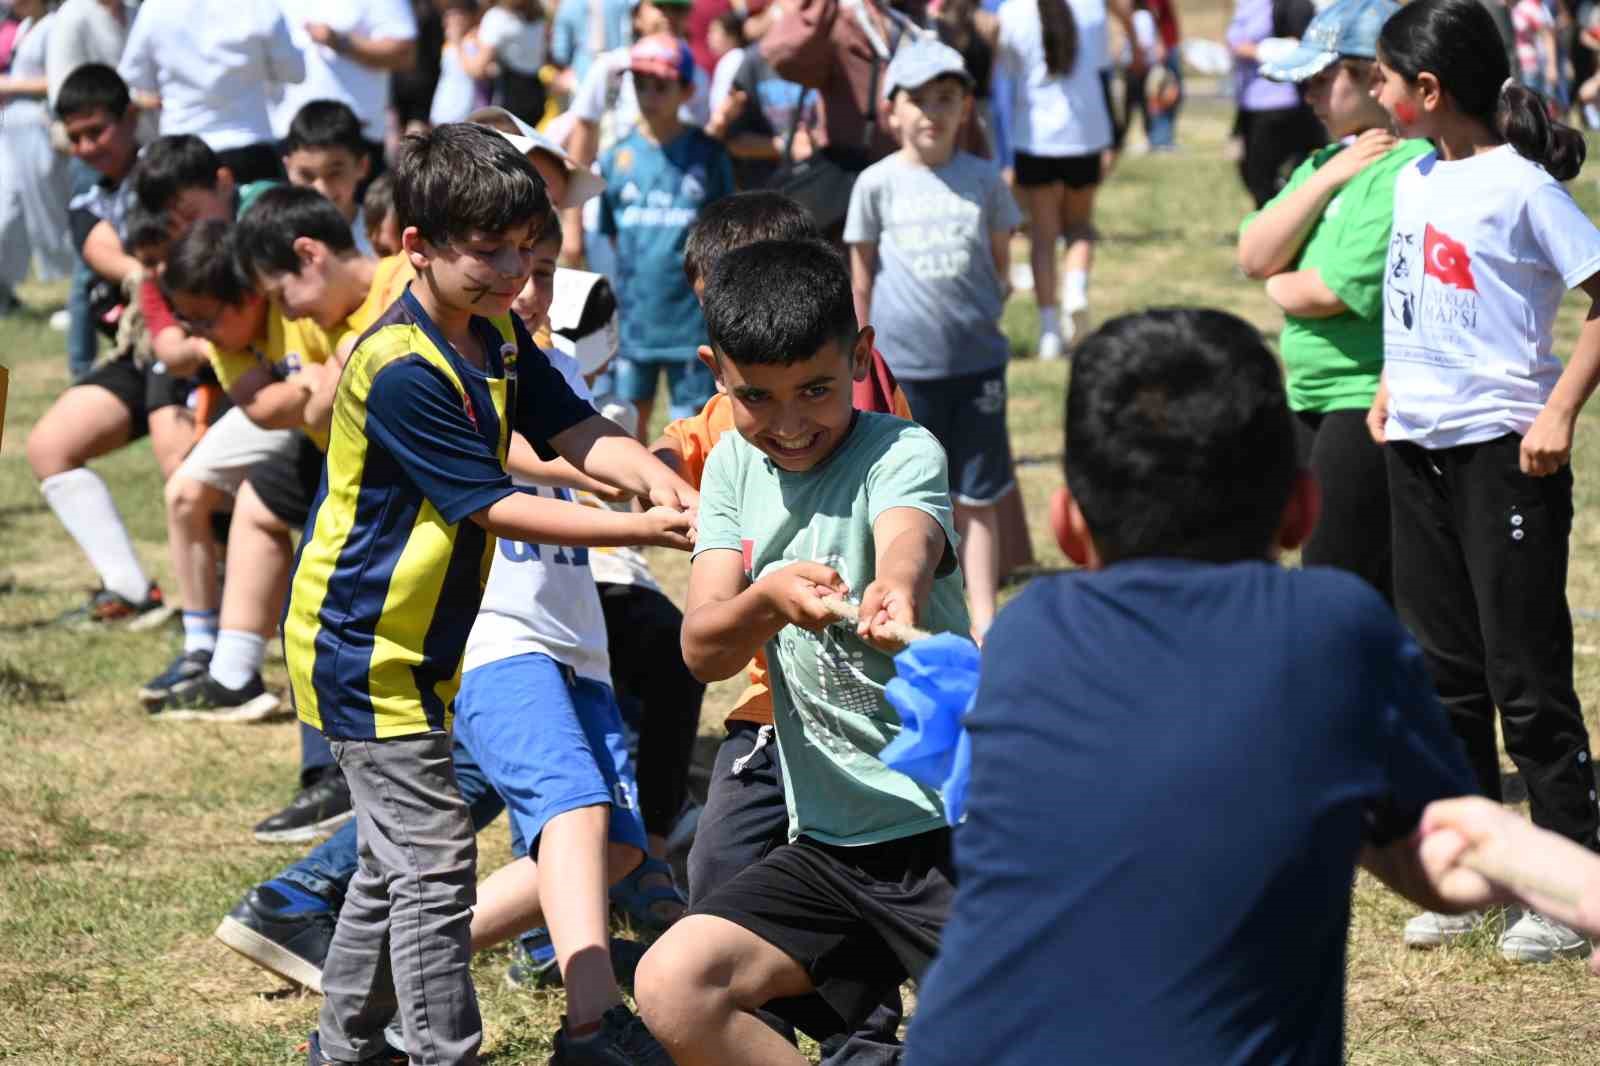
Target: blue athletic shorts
(689, 382)
(968, 415)
(549, 741)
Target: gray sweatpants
(403, 943)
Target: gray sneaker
(1432, 930)
(622, 1040)
(1535, 938)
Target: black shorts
(1075, 171)
(968, 415)
(861, 920)
(141, 391)
(288, 484)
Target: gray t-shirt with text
(936, 297)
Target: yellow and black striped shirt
(391, 571)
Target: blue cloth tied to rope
(936, 683)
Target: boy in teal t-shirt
(811, 498)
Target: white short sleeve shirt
(331, 76)
(1482, 251)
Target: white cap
(582, 185)
(595, 349)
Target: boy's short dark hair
(142, 228)
(378, 201)
(170, 164)
(1179, 439)
(461, 177)
(202, 263)
(741, 219)
(776, 303)
(325, 124)
(264, 238)
(92, 87)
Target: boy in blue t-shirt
(1236, 738)
(657, 180)
(929, 233)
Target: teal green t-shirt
(827, 687)
(1333, 363)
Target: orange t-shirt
(694, 437)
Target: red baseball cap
(661, 55)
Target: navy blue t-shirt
(1174, 768)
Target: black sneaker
(316, 811)
(205, 699)
(622, 1040)
(107, 608)
(188, 666)
(284, 930)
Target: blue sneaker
(533, 961)
(188, 666)
(283, 929)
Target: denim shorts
(968, 416)
(549, 742)
(689, 382)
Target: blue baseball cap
(921, 60)
(1348, 28)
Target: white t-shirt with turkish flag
(1482, 251)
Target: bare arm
(1274, 238)
(1547, 446)
(539, 520)
(909, 546)
(12, 88)
(604, 451)
(863, 265)
(103, 251)
(1303, 293)
(272, 404)
(524, 462)
(180, 353)
(393, 54)
(727, 619)
(1000, 248)
(477, 59)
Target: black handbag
(818, 183)
(822, 183)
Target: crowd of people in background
(288, 228)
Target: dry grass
(125, 841)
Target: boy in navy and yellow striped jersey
(393, 566)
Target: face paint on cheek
(1406, 112)
(475, 289)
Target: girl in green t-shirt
(1320, 245)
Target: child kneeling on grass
(392, 570)
(810, 498)
(1237, 738)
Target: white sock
(1050, 320)
(199, 631)
(85, 507)
(1075, 290)
(238, 657)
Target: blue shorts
(690, 383)
(968, 416)
(549, 742)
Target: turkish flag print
(1446, 259)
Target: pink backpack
(8, 42)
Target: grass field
(124, 841)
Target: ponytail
(1523, 119)
(1458, 42)
(1060, 37)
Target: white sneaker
(1050, 347)
(1535, 938)
(1431, 930)
(60, 320)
